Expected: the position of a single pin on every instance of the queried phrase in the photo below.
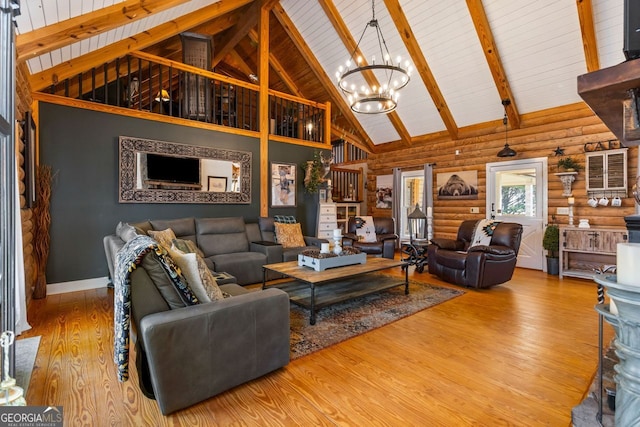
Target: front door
(517, 192)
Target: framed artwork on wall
(384, 191)
(283, 185)
(217, 184)
(457, 185)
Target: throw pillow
(189, 268)
(196, 271)
(367, 230)
(285, 219)
(289, 235)
(187, 246)
(176, 277)
(126, 231)
(163, 237)
(208, 280)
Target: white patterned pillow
(198, 275)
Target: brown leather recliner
(386, 238)
(477, 266)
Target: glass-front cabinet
(606, 173)
(344, 211)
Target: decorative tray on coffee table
(320, 262)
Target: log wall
(568, 127)
(23, 104)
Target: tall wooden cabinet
(583, 250)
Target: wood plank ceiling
(469, 55)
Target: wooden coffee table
(316, 289)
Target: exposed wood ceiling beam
(349, 137)
(231, 38)
(402, 24)
(279, 69)
(479, 18)
(352, 46)
(137, 42)
(173, 45)
(240, 64)
(587, 28)
(55, 36)
(315, 66)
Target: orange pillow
(289, 235)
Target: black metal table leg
(312, 317)
(264, 278)
(406, 281)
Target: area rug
(26, 351)
(348, 319)
(586, 413)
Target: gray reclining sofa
(188, 353)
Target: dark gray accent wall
(81, 146)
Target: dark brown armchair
(386, 238)
(478, 266)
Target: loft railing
(145, 82)
(348, 184)
(344, 152)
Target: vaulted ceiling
(469, 55)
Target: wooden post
(327, 124)
(263, 79)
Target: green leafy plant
(313, 174)
(568, 164)
(551, 240)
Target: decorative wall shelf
(567, 179)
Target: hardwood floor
(520, 354)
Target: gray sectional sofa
(229, 244)
(188, 353)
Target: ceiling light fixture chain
(380, 96)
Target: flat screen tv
(183, 170)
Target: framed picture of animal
(283, 185)
(457, 185)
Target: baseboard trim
(77, 285)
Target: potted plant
(569, 165)
(551, 242)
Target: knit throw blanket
(127, 260)
(484, 232)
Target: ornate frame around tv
(128, 192)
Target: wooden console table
(584, 250)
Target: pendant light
(363, 95)
(506, 151)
